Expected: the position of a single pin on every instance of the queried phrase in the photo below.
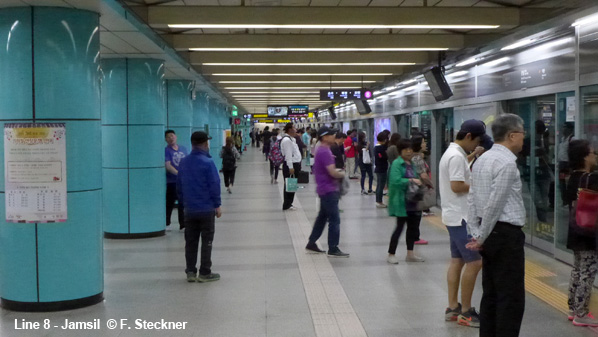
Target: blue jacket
(198, 183)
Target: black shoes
(335, 252)
(313, 248)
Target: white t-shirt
(453, 167)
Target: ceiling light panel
(290, 82)
(298, 74)
(305, 26)
(306, 64)
(319, 49)
(285, 88)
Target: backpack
(228, 159)
(275, 153)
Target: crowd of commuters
(480, 193)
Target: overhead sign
(298, 110)
(235, 111)
(345, 94)
(260, 116)
(35, 172)
(263, 121)
(283, 121)
(237, 121)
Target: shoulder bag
(586, 207)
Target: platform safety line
(331, 311)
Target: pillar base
(134, 235)
(52, 306)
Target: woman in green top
(402, 173)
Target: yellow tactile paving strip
(537, 279)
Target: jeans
(412, 219)
(229, 177)
(171, 197)
(328, 212)
(366, 168)
(289, 196)
(199, 225)
(380, 183)
(503, 273)
(274, 170)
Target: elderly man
(495, 220)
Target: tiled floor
(264, 291)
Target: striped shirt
(494, 193)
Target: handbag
(366, 156)
(303, 177)
(291, 184)
(414, 192)
(428, 200)
(586, 207)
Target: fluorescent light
(587, 20)
(518, 44)
(556, 43)
(458, 73)
(272, 96)
(408, 82)
(299, 74)
(306, 64)
(290, 82)
(346, 26)
(273, 92)
(318, 49)
(270, 88)
(496, 62)
(467, 62)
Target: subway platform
(271, 287)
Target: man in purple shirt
(327, 180)
(173, 153)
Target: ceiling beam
(196, 58)
(186, 41)
(164, 15)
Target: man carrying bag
(291, 165)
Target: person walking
(495, 220)
(402, 174)
(291, 164)
(307, 152)
(381, 169)
(454, 180)
(581, 160)
(364, 160)
(266, 138)
(229, 155)
(198, 187)
(327, 179)
(173, 153)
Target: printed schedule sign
(35, 172)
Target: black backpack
(228, 159)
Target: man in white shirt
(292, 162)
(454, 186)
(495, 221)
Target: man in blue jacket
(198, 187)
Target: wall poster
(35, 172)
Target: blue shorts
(459, 238)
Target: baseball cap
(486, 142)
(199, 137)
(323, 131)
(473, 126)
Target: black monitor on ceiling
(278, 110)
(363, 107)
(438, 85)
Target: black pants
(289, 196)
(171, 197)
(196, 226)
(366, 169)
(274, 170)
(503, 274)
(229, 177)
(412, 219)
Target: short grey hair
(504, 125)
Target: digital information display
(278, 110)
(345, 94)
(298, 110)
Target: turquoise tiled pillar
(49, 65)
(200, 112)
(179, 113)
(133, 116)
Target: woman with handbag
(364, 160)
(582, 241)
(403, 177)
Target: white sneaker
(392, 259)
(380, 205)
(414, 259)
